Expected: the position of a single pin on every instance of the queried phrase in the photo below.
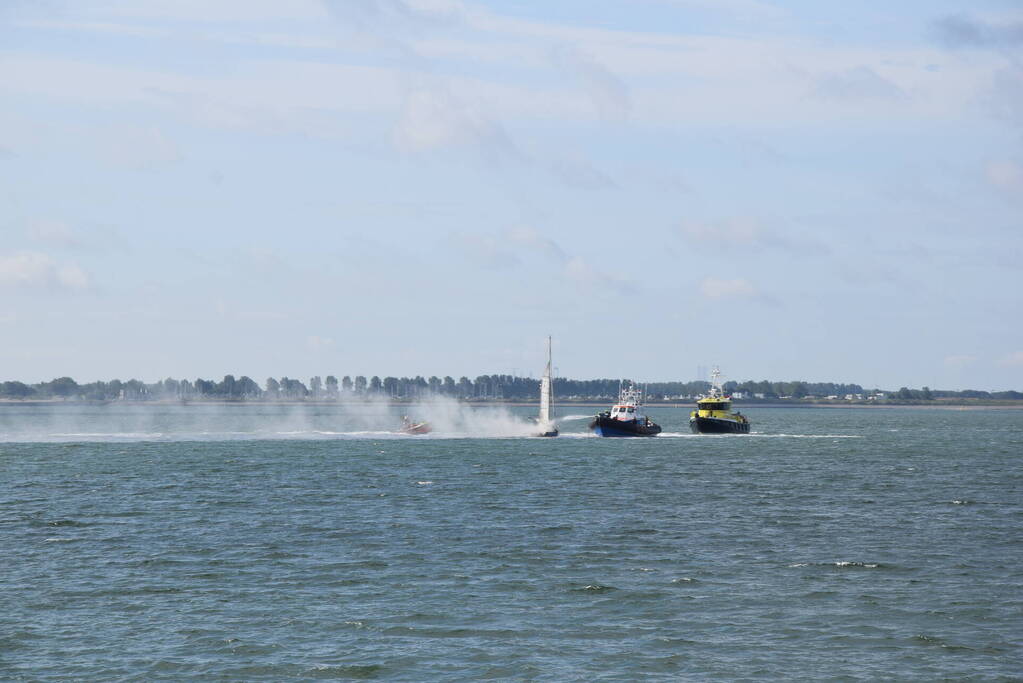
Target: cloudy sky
(791, 190)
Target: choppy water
(170, 543)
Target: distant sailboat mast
(546, 390)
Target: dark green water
(263, 543)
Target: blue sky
(788, 190)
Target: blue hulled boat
(626, 418)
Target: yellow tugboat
(713, 414)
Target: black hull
(710, 425)
(606, 426)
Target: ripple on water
(593, 588)
(813, 558)
(345, 671)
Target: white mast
(546, 390)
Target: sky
(788, 190)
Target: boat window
(632, 410)
(714, 406)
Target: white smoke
(449, 418)
(352, 417)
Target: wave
(840, 564)
(804, 436)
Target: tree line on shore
(482, 388)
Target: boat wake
(460, 424)
(805, 436)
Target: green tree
(135, 390)
(171, 388)
(63, 387)
(16, 390)
(247, 387)
(228, 386)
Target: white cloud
(579, 271)
(964, 31)
(220, 11)
(960, 360)
(513, 248)
(317, 343)
(402, 14)
(1005, 97)
(858, 83)
(433, 118)
(56, 233)
(735, 231)
(741, 9)
(533, 240)
(35, 270)
(488, 251)
(61, 235)
(607, 92)
(716, 288)
(673, 78)
(1006, 175)
(748, 233)
(1012, 360)
(139, 148)
(581, 174)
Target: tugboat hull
(606, 426)
(711, 425)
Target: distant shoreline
(978, 404)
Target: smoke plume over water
(363, 418)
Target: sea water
(272, 543)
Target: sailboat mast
(550, 381)
(546, 390)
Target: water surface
(270, 543)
